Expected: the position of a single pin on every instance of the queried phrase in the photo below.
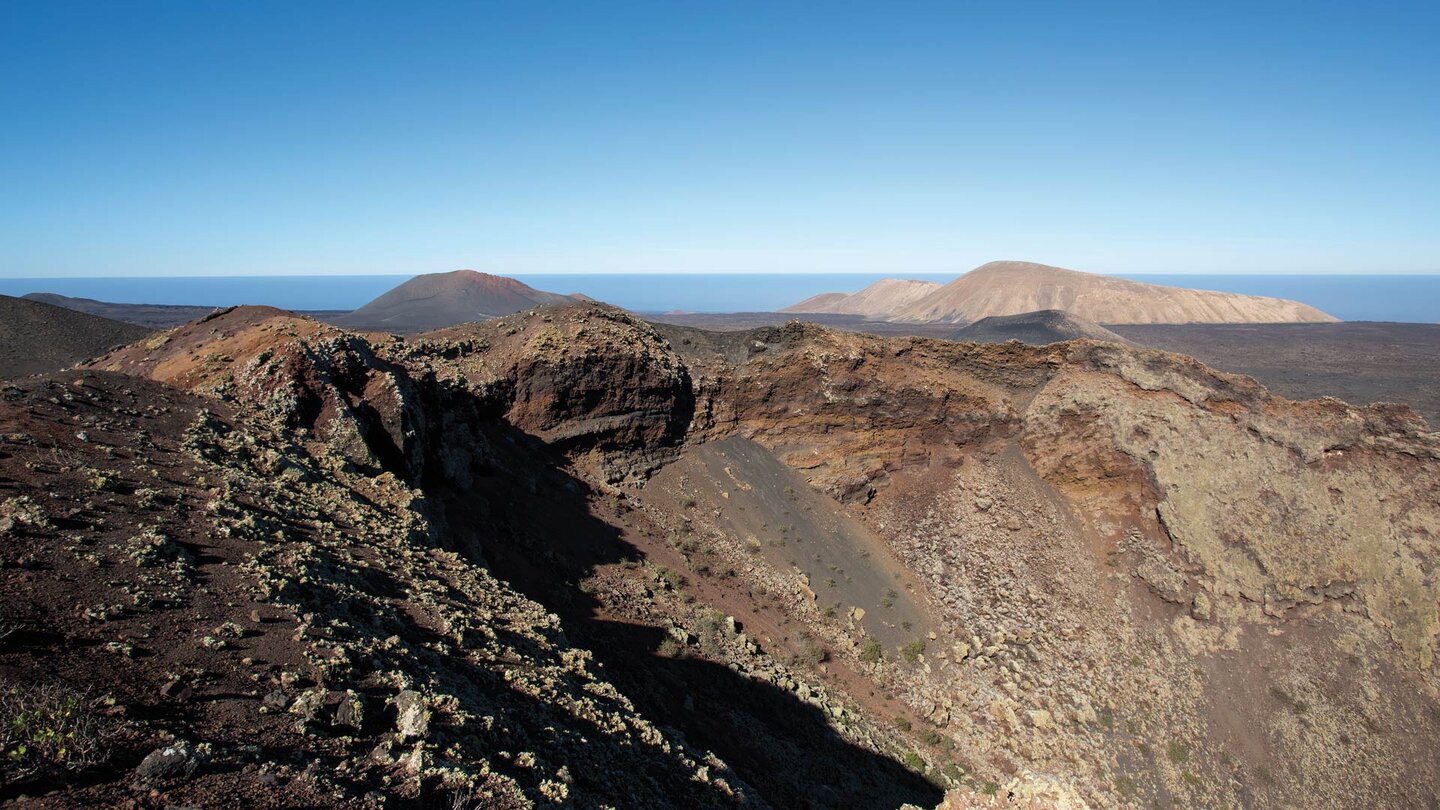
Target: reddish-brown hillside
(438, 300)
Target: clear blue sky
(159, 138)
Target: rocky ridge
(1103, 607)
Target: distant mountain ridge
(153, 316)
(1014, 288)
(439, 300)
(879, 300)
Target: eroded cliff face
(1220, 592)
(1122, 574)
(1276, 504)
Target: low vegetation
(913, 650)
(871, 652)
(48, 730)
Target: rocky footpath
(278, 628)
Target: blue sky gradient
(176, 138)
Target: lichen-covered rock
(350, 711)
(175, 761)
(412, 715)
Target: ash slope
(36, 337)
(151, 316)
(882, 299)
(1115, 577)
(438, 300)
(1036, 328)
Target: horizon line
(889, 274)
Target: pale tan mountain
(880, 300)
(1012, 288)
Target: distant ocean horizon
(1405, 298)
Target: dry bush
(47, 729)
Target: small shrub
(670, 577)
(669, 647)
(1177, 751)
(870, 651)
(49, 729)
(812, 652)
(912, 650)
(712, 622)
(902, 724)
(914, 761)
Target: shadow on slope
(532, 524)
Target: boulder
(412, 719)
(175, 761)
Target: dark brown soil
(36, 337)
